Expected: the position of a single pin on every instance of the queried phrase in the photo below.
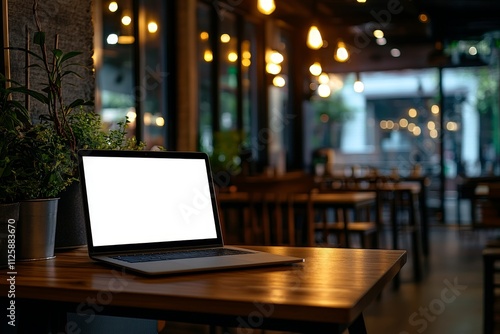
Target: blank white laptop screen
(133, 201)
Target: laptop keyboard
(176, 255)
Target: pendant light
(266, 7)
(359, 86)
(315, 69)
(341, 54)
(324, 90)
(314, 39)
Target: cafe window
(227, 67)
(205, 74)
(228, 73)
(249, 83)
(280, 117)
(131, 67)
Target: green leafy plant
(333, 106)
(89, 133)
(40, 164)
(226, 152)
(9, 188)
(12, 112)
(57, 69)
(38, 158)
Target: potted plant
(77, 128)
(87, 128)
(59, 131)
(42, 168)
(35, 168)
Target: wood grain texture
(332, 285)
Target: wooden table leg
(424, 218)
(488, 293)
(346, 227)
(358, 326)
(394, 228)
(415, 239)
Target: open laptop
(155, 212)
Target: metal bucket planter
(36, 230)
(9, 215)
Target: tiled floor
(449, 297)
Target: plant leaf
(70, 55)
(57, 53)
(40, 97)
(31, 53)
(39, 38)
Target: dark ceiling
(353, 22)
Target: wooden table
(397, 192)
(413, 183)
(481, 191)
(423, 181)
(324, 200)
(344, 201)
(325, 294)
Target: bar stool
(405, 198)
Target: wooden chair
(366, 232)
(367, 229)
(485, 207)
(342, 227)
(272, 208)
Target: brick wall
(72, 21)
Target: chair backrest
(274, 200)
(292, 180)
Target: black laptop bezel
(103, 250)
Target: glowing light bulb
(208, 56)
(113, 7)
(276, 57)
(359, 86)
(152, 27)
(112, 39)
(435, 109)
(160, 121)
(423, 18)
(324, 90)
(126, 20)
(232, 56)
(324, 78)
(279, 81)
(315, 69)
(341, 54)
(314, 39)
(273, 68)
(266, 7)
(204, 35)
(225, 38)
(378, 33)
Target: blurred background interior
(343, 89)
(265, 85)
